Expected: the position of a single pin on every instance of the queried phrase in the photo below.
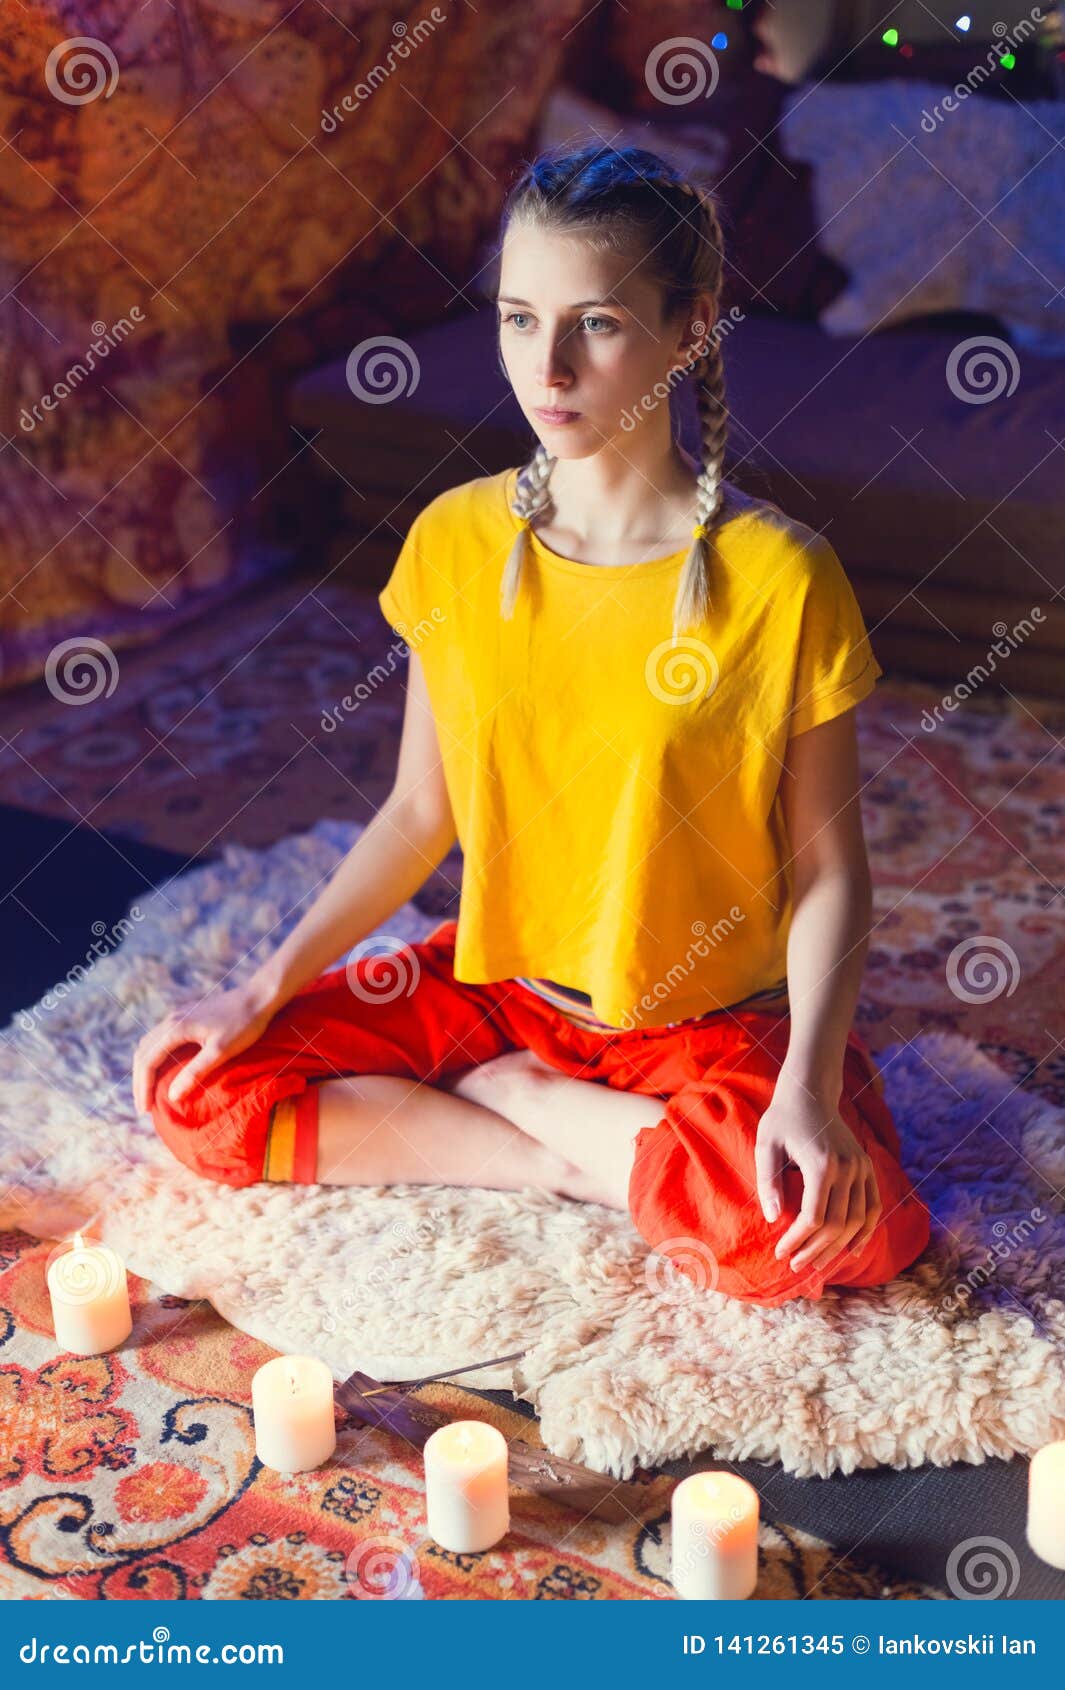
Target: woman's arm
(832, 905)
(393, 856)
(827, 944)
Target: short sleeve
(401, 597)
(835, 667)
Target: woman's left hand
(841, 1204)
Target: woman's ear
(695, 334)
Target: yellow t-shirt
(617, 800)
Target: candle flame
(79, 1242)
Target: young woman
(631, 697)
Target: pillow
(900, 205)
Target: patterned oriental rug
(134, 1477)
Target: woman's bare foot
(547, 1104)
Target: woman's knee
(699, 1206)
(216, 1137)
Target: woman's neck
(608, 499)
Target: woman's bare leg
(585, 1121)
(381, 1129)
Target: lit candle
(292, 1406)
(466, 1497)
(1046, 1504)
(89, 1294)
(715, 1537)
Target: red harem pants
(692, 1186)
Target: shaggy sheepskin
(628, 1363)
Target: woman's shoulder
(760, 528)
(482, 498)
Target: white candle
(466, 1497)
(292, 1406)
(1046, 1504)
(715, 1537)
(89, 1294)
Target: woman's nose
(552, 368)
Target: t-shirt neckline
(572, 566)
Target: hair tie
(699, 531)
(524, 522)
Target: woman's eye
(608, 325)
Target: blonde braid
(530, 498)
(693, 603)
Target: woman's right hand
(223, 1023)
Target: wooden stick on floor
(363, 1398)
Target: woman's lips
(551, 415)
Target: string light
(720, 41)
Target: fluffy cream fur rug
(628, 1363)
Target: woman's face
(582, 332)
